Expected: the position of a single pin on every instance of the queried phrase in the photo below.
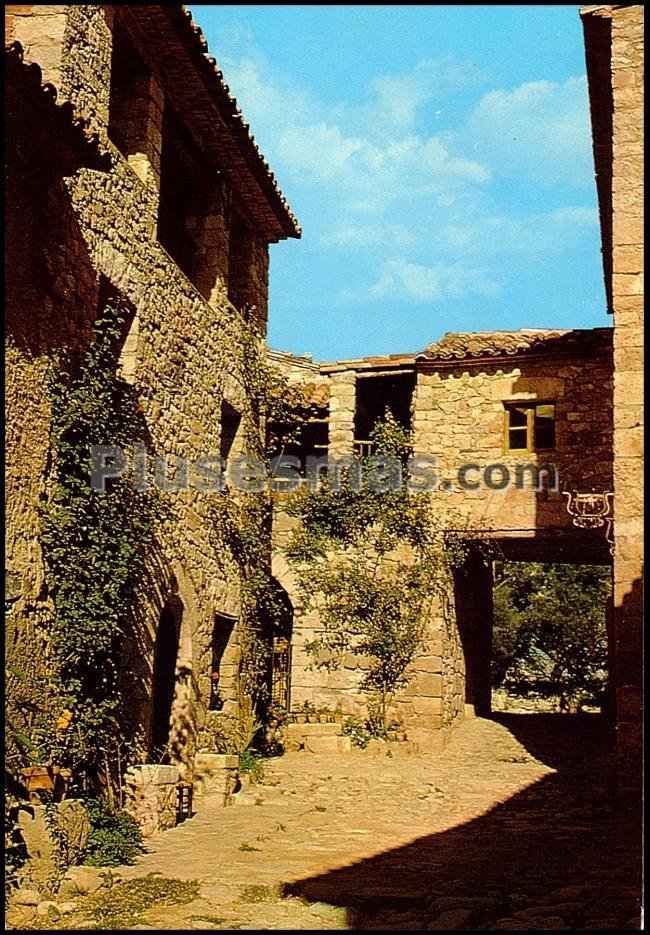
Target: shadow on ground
(559, 854)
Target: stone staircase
(316, 738)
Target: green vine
(94, 545)
(372, 563)
(241, 521)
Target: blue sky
(438, 158)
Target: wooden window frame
(531, 408)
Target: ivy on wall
(241, 522)
(372, 562)
(94, 546)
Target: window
(530, 426)
(230, 422)
(183, 197)
(222, 630)
(312, 442)
(375, 396)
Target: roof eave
(212, 78)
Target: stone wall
(184, 357)
(627, 289)
(614, 50)
(46, 313)
(459, 417)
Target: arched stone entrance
(164, 676)
(279, 634)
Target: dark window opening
(248, 273)
(183, 192)
(530, 427)
(164, 677)
(375, 396)
(239, 263)
(230, 422)
(223, 628)
(312, 442)
(127, 113)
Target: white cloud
(402, 279)
(540, 128)
(321, 151)
(546, 232)
(377, 182)
(369, 235)
(397, 98)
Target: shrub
(251, 762)
(115, 837)
(362, 731)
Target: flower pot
(301, 718)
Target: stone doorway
(279, 635)
(164, 677)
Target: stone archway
(166, 651)
(279, 635)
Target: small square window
(530, 427)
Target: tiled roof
(379, 362)
(235, 119)
(480, 344)
(67, 134)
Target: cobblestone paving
(508, 829)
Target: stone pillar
(216, 774)
(137, 119)
(627, 289)
(213, 245)
(151, 797)
(341, 415)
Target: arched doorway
(280, 631)
(164, 676)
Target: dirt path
(509, 828)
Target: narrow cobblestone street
(508, 829)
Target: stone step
(313, 730)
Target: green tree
(550, 636)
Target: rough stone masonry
(173, 207)
(160, 196)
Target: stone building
(138, 180)
(132, 174)
(614, 51)
(492, 409)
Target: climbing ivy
(241, 522)
(94, 546)
(372, 562)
